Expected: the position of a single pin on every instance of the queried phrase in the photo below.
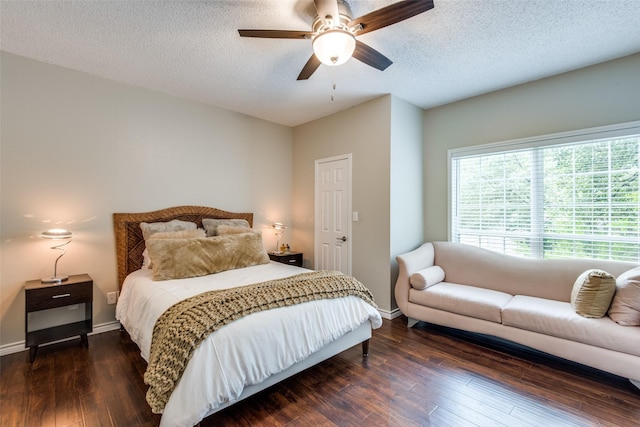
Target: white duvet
(244, 352)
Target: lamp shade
(56, 234)
(278, 226)
(334, 47)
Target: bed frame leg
(634, 382)
(365, 348)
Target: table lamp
(279, 227)
(56, 234)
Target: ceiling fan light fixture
(334, 47)
(334, 32)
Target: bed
(245, 355)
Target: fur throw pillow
(182, 258)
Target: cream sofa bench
(526, 301)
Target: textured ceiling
(190, 49)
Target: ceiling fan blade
(276, 34)
(328, 8)
(309, 68)
(370, 56)
(391, 14)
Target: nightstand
(291, 258)
(78, 289)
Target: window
(570, 195)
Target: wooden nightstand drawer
(291, 258)
(78, 289)
(58, 295)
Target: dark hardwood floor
(423, 376)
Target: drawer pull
(61, 296)
(292, 260)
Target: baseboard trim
(106, 327)
(17, 347)
(389, 315)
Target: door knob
(343, 238)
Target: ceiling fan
(334, 33)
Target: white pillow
(426, 277)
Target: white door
(332, 213)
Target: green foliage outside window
(577, 200)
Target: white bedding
(244, 352)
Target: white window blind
(573, 195)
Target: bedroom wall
(599, 95)
(406, 228)
(76, 148)
(363, 131)
(385, 137)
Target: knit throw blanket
(180, 329)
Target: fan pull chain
(333, 85)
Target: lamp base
(54, 279)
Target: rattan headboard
(129, 240)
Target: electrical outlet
(112, 297)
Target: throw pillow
(150, 228)
(182, 234)
(182, 258)
(223, 230)
(426, 277)
(592, 293)
(146, 259)
(625, 307)
(211, 225)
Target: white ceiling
(192, 49)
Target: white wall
(599, 95)
(406, 228)
(364, 131)
(385, 138)
(76, 148)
